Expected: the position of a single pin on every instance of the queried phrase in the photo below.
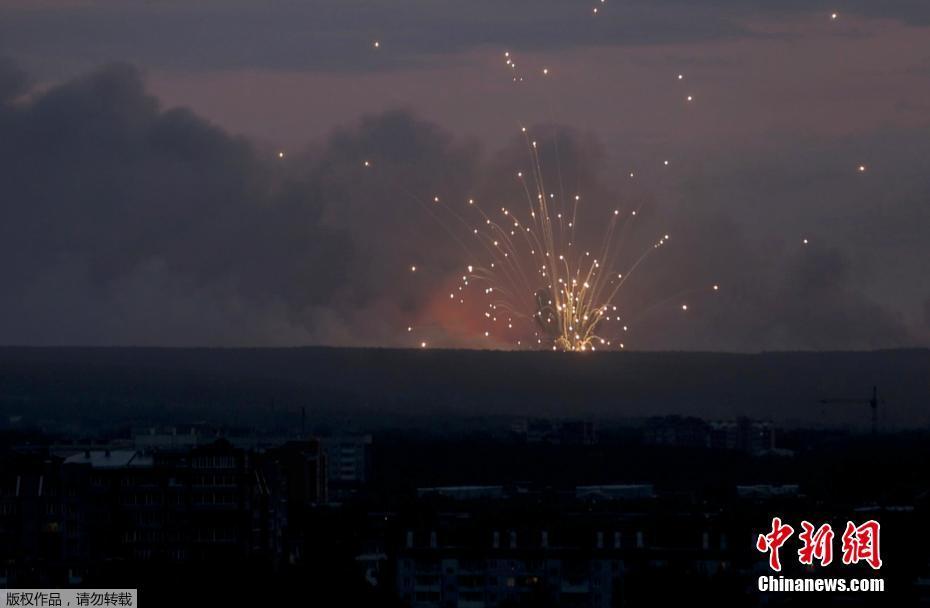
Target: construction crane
(872, 403)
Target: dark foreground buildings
(250, 522)
(62, 518)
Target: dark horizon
(369, 386)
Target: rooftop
(110, 459)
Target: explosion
(538, 272)
(546, 283)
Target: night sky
(194, 173)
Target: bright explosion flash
(537, 269)
(540, 272)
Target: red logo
(817, 545)
(860, 543)
(773, 541)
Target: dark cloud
(743, 216)
(780, 298)
(126, 223)
(107, 197)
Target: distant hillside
(368, 384)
